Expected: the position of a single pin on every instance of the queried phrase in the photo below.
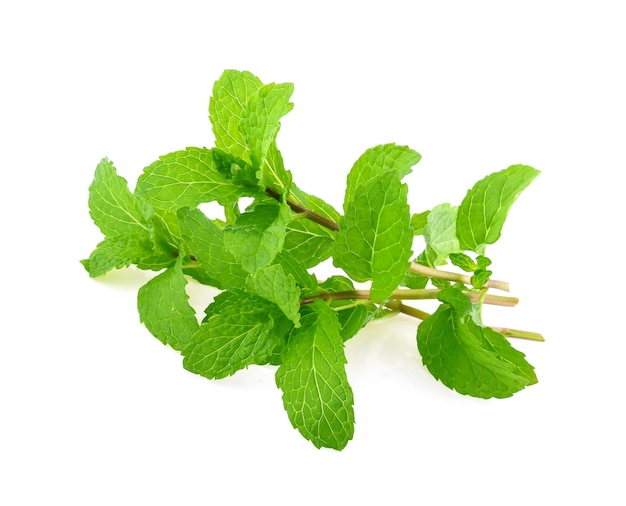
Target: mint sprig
(273, 309)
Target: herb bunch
(271, 308)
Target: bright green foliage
(205, 242)
(164, 308)
(486, 206)
(386, 158)
(463, 261)
(309, 242)
(469, 358)
(258, 235)
(419, 222)
(440, 233)
(273, 284)
(312, 376)
(272, 309)
(259, 126)
(185, 179)
(241, 330)
(125, 221)
(231, 94)
(375, 239)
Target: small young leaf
(485, 207)
(316, 393)
(419, 221)
(463, 261)
(164, 308)
(480, 278)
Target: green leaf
(375, 239)
(419, 221)
(484, 209)
(352, 319)
(376, 161)
(204, 241)
(296, 269)
(440, 233)
(274, 285)
(185, 179)
(480, 278)
(463, 261)
(134, 234)
(316, 393)
(260, 121)
(231, 93)
(116, 252)
(468, 358)
(113, 208)
(241, 330)
(258, 235)
(309, 242)
(272, 173)
(164, 308)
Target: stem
(311, 215)
(417, 294)
(411, 311)
(422, 315)
(522, 334)
(429, 272)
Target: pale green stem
(408, 294)
(522, 334)
(429, 272)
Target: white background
(95, 411)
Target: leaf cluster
(272, 309)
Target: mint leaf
(260, 120)
(164, 308)
(241, 330)
(309, 242)
(273, 284)
(204, 241)
(480, 278)
(131, 228)
(231, 93)
(376, 161)
(419, 221)
(316, 393)
(352, 319)
(113, 208)
(375, 239)
(296, 269)
(463, 261)
(273, 309)
(258, 235)
(440, 233)
(462, 356)
(484, 209)
(115, 252)
(185, 179)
